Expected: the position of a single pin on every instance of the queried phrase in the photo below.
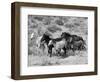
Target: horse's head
(45, 39)
(65, 35)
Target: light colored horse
(58, 46)
(41, 46)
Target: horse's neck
(57, 39)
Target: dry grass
(55, 26)
(79, 57)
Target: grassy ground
(77, 58)
(55, 26)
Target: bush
(59, 22)
(69, 25)
(54, 29)
(39, 18)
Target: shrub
(59, 22)
(69, 25)
(39, 18)
(54, 29)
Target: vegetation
(55, 25)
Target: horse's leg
(50, 52)
(64, 51)
(56, 52)
(73, 51)
(59, 52)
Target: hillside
(55, 25)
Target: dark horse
(77, 43)
(45, 40)
(74, 42)
(65, 35)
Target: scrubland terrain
(55, 25)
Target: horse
(42, 42)
(74, 42)
(45, 39)
(58, 44)
(65, 35)
(77, 38)
(38, 42)
(76, 45)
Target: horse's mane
(57, 39)
(66, 34)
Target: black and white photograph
(57, 40)
(53, 40)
